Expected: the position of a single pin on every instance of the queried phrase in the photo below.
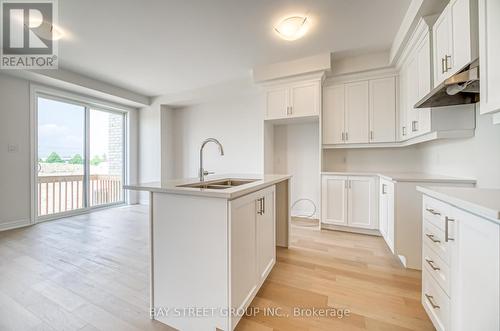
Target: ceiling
(157, 47)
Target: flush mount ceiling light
(292, 27)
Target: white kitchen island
(213, 247)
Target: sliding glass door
(80, 153)
(106, 157)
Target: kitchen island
(213, 244)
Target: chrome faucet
(203, 172)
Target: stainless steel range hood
(461, 88)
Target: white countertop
(482, 202)
(416, 177)
(172, 186)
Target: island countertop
(172, 186)
(482, 202)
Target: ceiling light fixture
(292, 27)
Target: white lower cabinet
(386, 212)
(460, 268)
(252, 246)
(349, 201)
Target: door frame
(88, 103)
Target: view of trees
(76, 159)
(54, 158)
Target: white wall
(236, 121)
(149, 147)
(296, 152)
(15, 167)
(477, 157)
(404, 159)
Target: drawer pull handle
(433, 212)
(431, 263)
(430, 298)
(447, 230)
(431, 237)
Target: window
(80, 153)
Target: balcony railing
(58, 194)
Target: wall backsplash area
(458, 158)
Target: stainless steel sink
(220, 184)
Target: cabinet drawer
(435, 212)
(435, 266)
(434, 238)
(436, 303)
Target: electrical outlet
(11, 148)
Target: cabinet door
(475, 287)
(461, 34)
(277, 103)
(489, 53)
(266, 239)
(424, 67)
(412, 97)
(243, 249)
(305, 99)
(333, 115)
(360, 202)
(383, 110)
(383, 217)
(442, 46)
(357, 112)
(403, 104)
(390, 196)
(334, 200)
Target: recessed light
(292, 27)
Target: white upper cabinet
(277, 102)
(289, 100)
(415, 83)
(455, 38)
(333, 114)
(489, 29)
(383, 110)
(442, 46)
(356, 112)
(360, 112)
(305, 99)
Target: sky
(61, 129)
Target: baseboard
(325, 226)
(14, 224)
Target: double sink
(220, 184)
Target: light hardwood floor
(90, 272)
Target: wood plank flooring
(90, 272)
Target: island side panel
(283, 213)
(190, 260)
